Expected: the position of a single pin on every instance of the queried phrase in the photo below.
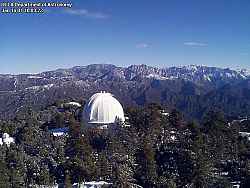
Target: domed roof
(103, 108)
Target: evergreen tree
(59, 120)
(102, 167)
(44, 176)
(176, 119)
(4, 178)
(202, 164)
(81, 161)
(146, 172)
(67, 181)
(16, 168)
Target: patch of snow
(135, 185)
(33, 88)
(126, 125)
(245, 134)
(104, 127)
(59, 131)
(15, 83)
(80, 83)
(229, 75)
(91, 184)
(74, 104)
(173, 137)
(207, 77)
(173, 77)
(235, 184)
(45, 186)
(156, 76)
(244, 72)
(242, 120)
(34, 77)
(18, 109)
(243, 76)
(191, 68)
(58, 134)
(48, 86)
(6, 139)
(165, 114)
(224, 173)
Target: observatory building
(102, 110)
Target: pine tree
(4, 178)
(74, 128)
(67, 181)
(59, 120)
(146, 173)
(176, 119)
(81, 162)
(102, 166)
(202, 164)
(44, 176)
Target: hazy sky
(125, 32)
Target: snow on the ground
(245, 134)
(165, 114)
(60, 131)
(34, 77)
(15, 82)
(48, 86)
(92, 184)
(74, 104)
(6, 139)
(207, 77)
(156, 76)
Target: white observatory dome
(103, 108)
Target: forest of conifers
(156, 150)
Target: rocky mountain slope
(192, 89)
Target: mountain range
(192, 89)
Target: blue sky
(154, 32)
